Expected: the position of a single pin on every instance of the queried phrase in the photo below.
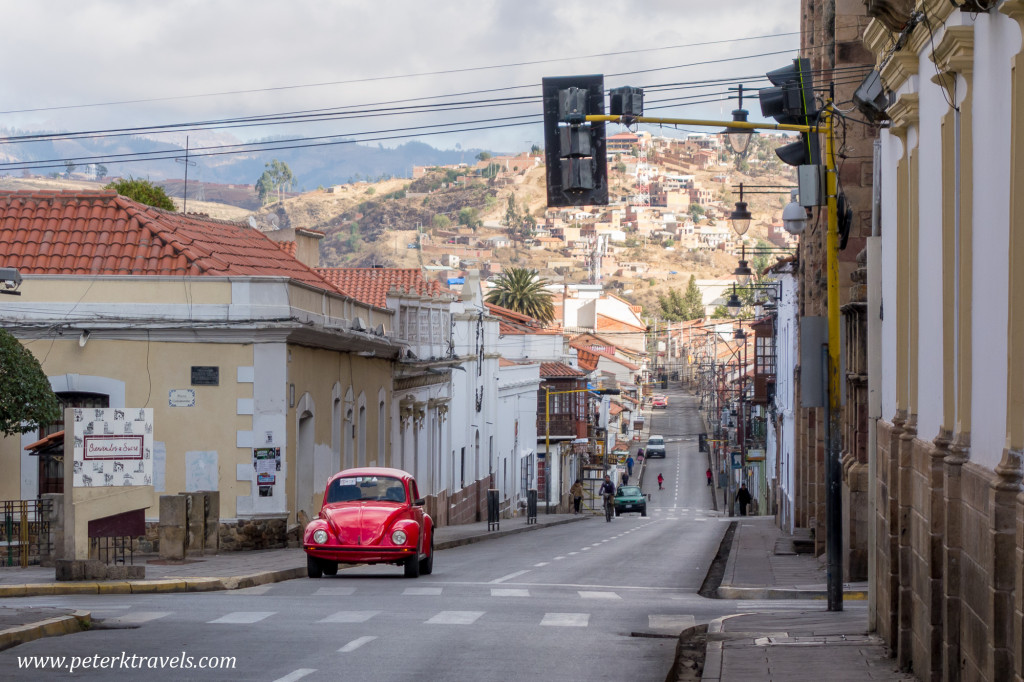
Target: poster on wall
(113, 447)
(266, 462)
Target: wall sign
(205, 376)
(181, 397)
(113, 447)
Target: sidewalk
(808, 644)
(225, 571)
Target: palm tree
(521, 290)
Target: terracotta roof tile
(102, 233)
(549, 370)
(371, 285)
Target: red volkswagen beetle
(370, 515)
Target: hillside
(385, 223)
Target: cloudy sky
(100, 64)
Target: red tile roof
(550, 370)
(102, 233)
(371, 285)
(511, 322)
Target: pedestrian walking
(661, 480)
(625, 478)
(710, 476)
(629, 465)
(577, 495)
(743, 497)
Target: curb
(728, 592)
(51, 627)
(200, 584)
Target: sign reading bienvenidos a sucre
(113, 447)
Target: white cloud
(61, 53)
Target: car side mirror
(420, 502)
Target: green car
(628, 498)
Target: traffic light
(574, 150)
(791, 101)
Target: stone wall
(468, 505)
(250, 534)
(949, 560)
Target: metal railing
(25, 536)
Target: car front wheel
(313, 567)
(427, 565)
(329, 567)
(643, 512)
(412, 566)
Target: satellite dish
(253, 224)
(274, 221)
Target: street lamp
(741, 216)
(739, 137)
(733, 305)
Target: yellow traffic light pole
(833, 487)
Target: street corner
(76, 621)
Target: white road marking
(572, 620)
(573, 553)
(297, 675)
(543, 563)
(355, 644)
(674, 623)
(559, 558)
(349, 617)
(334, 591)
(245, 617)
(455, 618)
(140, 616)
(509, 576)
(509, 592)
(422, 591)
(585, 549)
(585, 594)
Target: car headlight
(320, 536)
(398, 537)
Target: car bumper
(360, 555)
(638, 507)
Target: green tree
(101, 171)
(693, 301)
(483, 156)
(71, 166)
(696, 212)
(142, 191)
(672, 306)
(26, 400)
(512, 219)
(534, 149)
(469, 217)
(277, 177)
(522, 290)
(441, 221)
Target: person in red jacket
(661, 479)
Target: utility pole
(184, 193)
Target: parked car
(628, 498)
(370, 515)
(659, 401)
(655, 447)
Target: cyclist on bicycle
(607, 491)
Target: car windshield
(629, 491)
(656, 441)
(362, 488)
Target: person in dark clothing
(625, 478)
(743, 497)
(577, 495)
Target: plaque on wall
(205, 376)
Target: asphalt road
(590, 600)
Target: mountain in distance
(313, 166)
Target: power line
(399, 76)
